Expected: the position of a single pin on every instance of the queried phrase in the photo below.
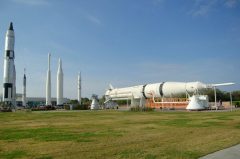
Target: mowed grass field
(116, 134)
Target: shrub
(237, 104)
(141, 109)
(77, 107)
(80, 107)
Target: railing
(167, 102)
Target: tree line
(222, 95)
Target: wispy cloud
(93, 19)
(32, 2)
(205, 7)
(158, 2)
(231, 3)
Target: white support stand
(231, 101)
(215, 97)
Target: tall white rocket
(60, 83)
(9, 73)
(14, 86)
(79, 88)
(48, 83)
(24, 90)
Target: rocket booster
(79, 88)
(60, 84)
(24, 89)
(164, 89)
(14, 86)
(48, 83)
(8, 71)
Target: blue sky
(123, 42)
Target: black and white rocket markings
(9, 73)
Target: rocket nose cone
(11, 26)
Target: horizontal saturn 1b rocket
(9, 73)
(158, 90)
(164, 89)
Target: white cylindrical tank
(125, 93)
(150, 90)
(175, 88)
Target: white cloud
(203, 7)
(32, 2)
(93, 19)
(158, 2)
(231, 3)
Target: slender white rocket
(24, 89)
(79, 88)
(8, 70)
(60, 83)
(14, 86)
(48, 83)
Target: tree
(73, 101)
(102, 100)
(236, 95)
(86, 101)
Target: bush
(67, 107)
(237, 104)
(141, 109)
(77, 107)
(80, 107)
(5, 107)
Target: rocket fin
(111, 87)
(221, 84)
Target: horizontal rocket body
(164, 89)
(9, 70)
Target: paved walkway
(228, 153)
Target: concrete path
(228, 153)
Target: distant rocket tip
(11, 26)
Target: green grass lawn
(116, 134)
